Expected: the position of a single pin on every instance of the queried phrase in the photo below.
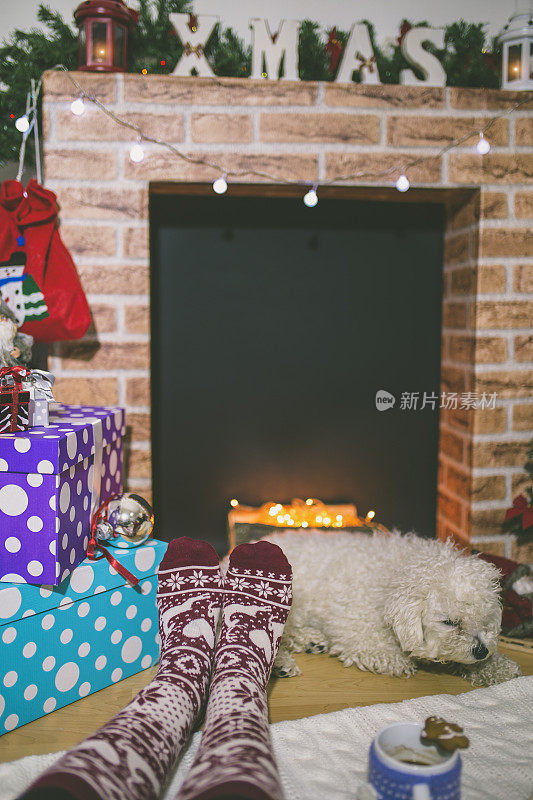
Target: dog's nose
(480, 651)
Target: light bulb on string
(136, 153)
(311, 198)
(483, 145)
(78, 107)
(402, 184)
(220, 186)
(22, 124)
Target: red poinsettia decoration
(334, 49)
(405, 27)
(521, 508)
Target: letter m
(272, 49)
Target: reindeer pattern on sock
(132, 755)
(256, 605)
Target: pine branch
(26, 55)
(154, 46)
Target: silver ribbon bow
(39, 383)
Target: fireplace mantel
(311, 132)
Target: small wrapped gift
(39, 384)
(51, 481)
(14, 400)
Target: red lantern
(103, 38)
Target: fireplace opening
(273, 328)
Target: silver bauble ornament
(127, 520)
(104, 531)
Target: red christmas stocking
(38, 279)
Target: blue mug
(392, 778)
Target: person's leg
(131, 756)
(235, 758)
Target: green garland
(154, 46)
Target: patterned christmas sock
(131, 756)
(235, 758)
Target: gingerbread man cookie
(446, 735)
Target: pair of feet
(133, 754)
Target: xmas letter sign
(270, 51)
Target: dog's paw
(397, 667)
(317, 647)
(496, 669)
(394, 664)
(285, 666)
(402, 668)
(288, 670)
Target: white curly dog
(389, 602)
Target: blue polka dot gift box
(51, 478)
(61, 643)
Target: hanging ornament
(123, 521)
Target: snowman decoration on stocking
(20, 292)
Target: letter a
(273, 48)
(193, 44)
(358, 54)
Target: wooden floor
(324, 686)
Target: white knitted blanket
(325, 756)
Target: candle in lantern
(103, 36)
(516, 40)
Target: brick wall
(312, 132)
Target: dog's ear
(404, 614)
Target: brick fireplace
(311, 132)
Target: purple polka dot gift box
(61, 643)
(51, 478)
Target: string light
(220, 186)
(137, 153)
(234, 503)
(402, 184)
(311, 198)
(483, 145)
(78, 107)
(22, 124)
(310, 513)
